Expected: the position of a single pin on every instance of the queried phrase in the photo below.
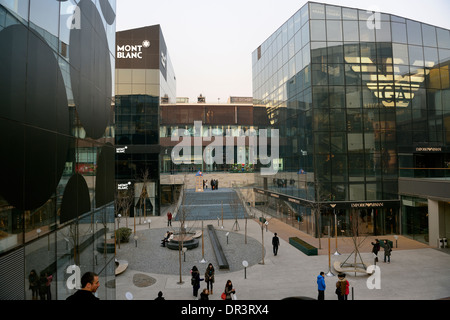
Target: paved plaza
(416, 271)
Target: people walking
(195, 280)
(387, 251)
(229, 290)
(275, 243)
(321, 286)
(209, 278)
(342, 287)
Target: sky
(210, 42)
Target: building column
(434, 231)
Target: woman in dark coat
(209, 277)
(229, 290)
(33, 279)
(195, 280)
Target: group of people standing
(40, 285)
(387, 250)
(342, 287)
(214, 184)
(227, 294)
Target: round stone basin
(188, 242)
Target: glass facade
(232, 123)
(56, 140)
(355, 94)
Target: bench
(218, 251)
(121, 266)
(303, 246)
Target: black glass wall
(56, 137)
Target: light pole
(335, 229)
(245, 264)
(329, 274)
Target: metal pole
(329, 274)
(336, 234)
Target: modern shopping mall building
(57, 61)
(361, 100)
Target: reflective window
(444, 55)
(400, 53)
(429, 36)
(319, 52)
(318, 30)
(353, 96)
(349, 14)
(298, 41)
(368, 53)
(351, 30)
(399, 32)
(334, 30)
(333, 13)
(431, 57)
(416, 56)
(306, 52)
(317, 11)
(443, 38)
(297, 21)
(352, 53)
(337, 96)
(336, 75)
(383, 34)
(305, 34)
(351, 77)
(44, 16)
(414, 32)
(320, 97)
(319, 74)
(366, 34)
(335, 52)
(304, 14)
(18, 6)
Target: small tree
(182, 214)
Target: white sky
(210, 42)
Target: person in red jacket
(342, 287)
(169, 218)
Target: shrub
(123, 234)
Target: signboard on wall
(141, 48)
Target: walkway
(416, 272)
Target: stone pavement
(416, 271)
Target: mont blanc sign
(132, 51)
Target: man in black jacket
(89, 285)
(275, 243)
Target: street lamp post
(245, 264)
